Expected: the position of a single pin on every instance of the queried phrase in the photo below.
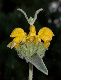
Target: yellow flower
(19, 36)
(45, 34)
(32, 34)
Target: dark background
(11, 66)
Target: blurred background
(11, 66)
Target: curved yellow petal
(45, 34)
(46, 44)
(19, 39)
(32, 31)
(18, 32)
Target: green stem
(30, 71)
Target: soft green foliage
(41, 50)
(37, 61)
(33, 53)
(26, 50)
(29, 49)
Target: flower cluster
(20, 37)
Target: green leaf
(41, 50)
(37, 61)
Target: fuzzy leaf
(37, 61)
(41, 50)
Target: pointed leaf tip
(37, 61)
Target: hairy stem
(30, 71)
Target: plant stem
(30, 71)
